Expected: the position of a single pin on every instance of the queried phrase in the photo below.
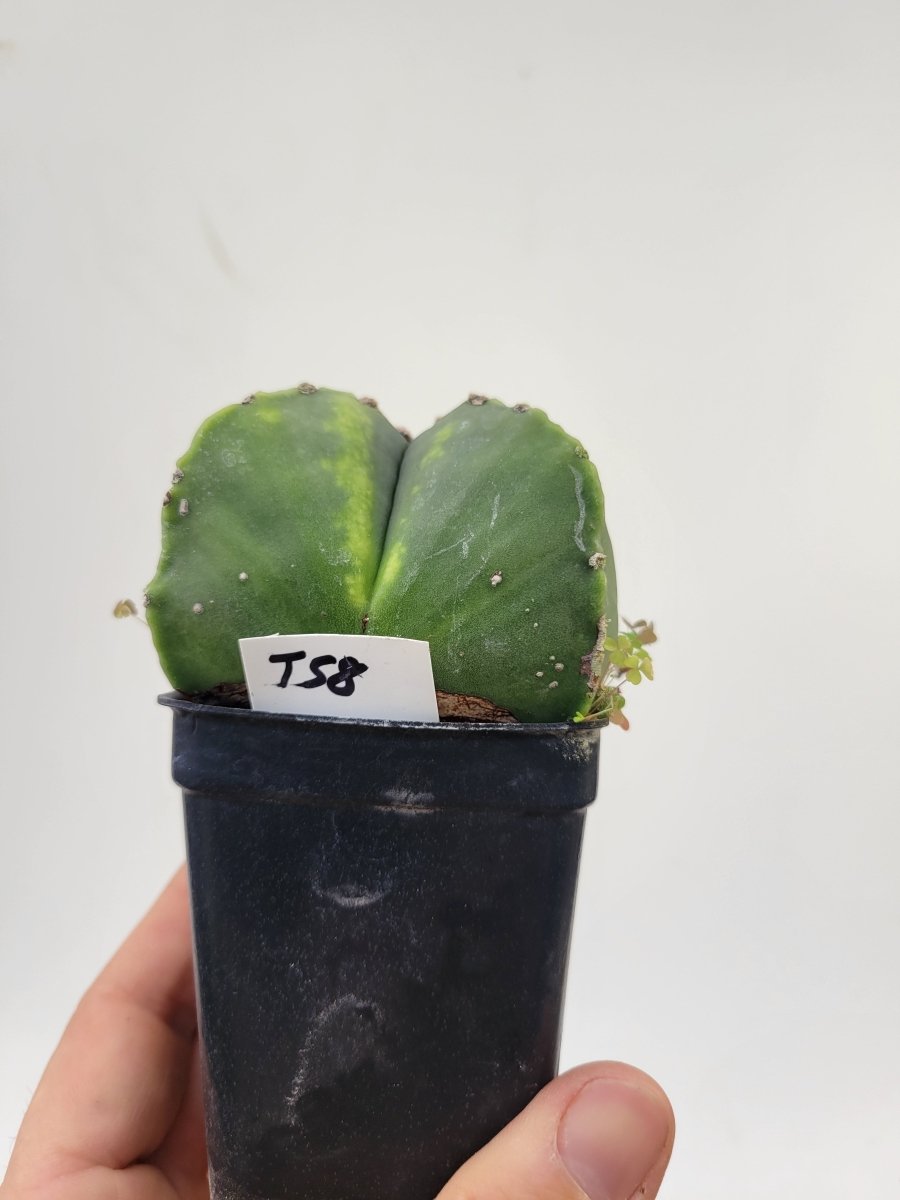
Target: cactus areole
(306, 511)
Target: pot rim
(180, 702)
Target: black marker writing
(318, 675)
(348, 669)
(341, 683)
(288, 659)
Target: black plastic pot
(381, 920)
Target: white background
(674, 225)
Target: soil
(451, 706)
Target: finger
(602, 1131)
(182, 1156)
(117, 1078)
(153, 968)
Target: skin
(118, 1116)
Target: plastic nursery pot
(381, 918)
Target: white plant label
(340, 675)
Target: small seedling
(124, 609)
(626, 660)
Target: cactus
(274, 524)
(495, 554)
(306, 511)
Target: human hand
(118, 1116)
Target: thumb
(602, 1131)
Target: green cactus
(495, 554)
(274, 524)
(306, 511)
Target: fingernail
(611, 1136)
